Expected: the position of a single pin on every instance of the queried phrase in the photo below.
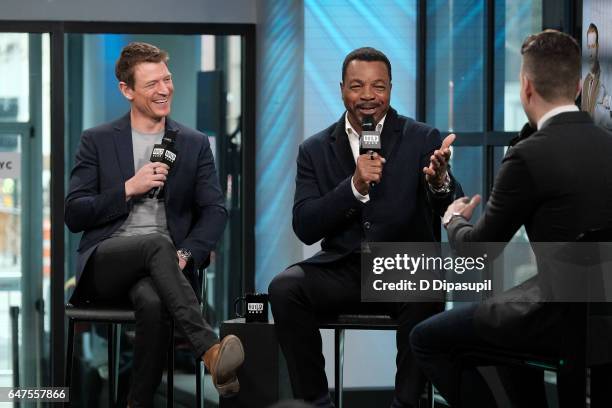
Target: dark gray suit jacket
(96, 204)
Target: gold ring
(154, 170)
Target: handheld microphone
(369, 142)
(164, 153)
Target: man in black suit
(142, 244)
(337, 202)
(556, 182)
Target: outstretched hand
(435, 174)
(463, 207)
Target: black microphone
(164, 153)
(369, 142)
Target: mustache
(367, 105)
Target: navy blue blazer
(401, 208)
(96, 203)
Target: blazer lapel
(172, 127)
(390, 133)
(123, 147)
(342, 147)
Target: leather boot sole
(231, 357)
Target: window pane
(514, 21)
(467, 167)
(14, 71)
(455, 57)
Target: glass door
(24, 207)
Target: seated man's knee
(419, 335)
(157, 242)
(284, 287)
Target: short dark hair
(136, 53)
(552, 62)
(593, 29)
(366, 54)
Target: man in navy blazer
(345, 198)
(147, 227)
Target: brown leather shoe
(222, 360)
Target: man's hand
(369, 169)
(463, 207)
(149, 176)
(181, 261)
(435, 174)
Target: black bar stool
(114, 317)
(343, 322)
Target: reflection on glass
(10, 258)
(514, 21)
(14, 71)
(455, 60)
(466, 165)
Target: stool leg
(339, 363)
(69, 359)
(112, 346)
(430, 395)
(170, 375)
(199, 396)
(117, 355)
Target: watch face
(183, 253)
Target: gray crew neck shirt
(148, 215)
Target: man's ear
(127, 92)
(527, 86)
(578, 89)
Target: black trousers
(302, 292)
(144, 269)
(435, 341)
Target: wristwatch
(451, 216)
(444, 188)
(184, 254)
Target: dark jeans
(434, 343)
(302, 292)
(144, 269)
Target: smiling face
(592, 45)
(366, 91)
(151, 94)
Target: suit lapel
(123, 147)
(172, 127)
(342, 147)
(390, 133)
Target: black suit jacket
(556, 182)
(96, 203)
(401, 206)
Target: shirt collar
(554, 112)
(351, 131)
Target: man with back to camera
(149, 227)
(345, 198)
(546, 183)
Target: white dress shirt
(555, 112)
